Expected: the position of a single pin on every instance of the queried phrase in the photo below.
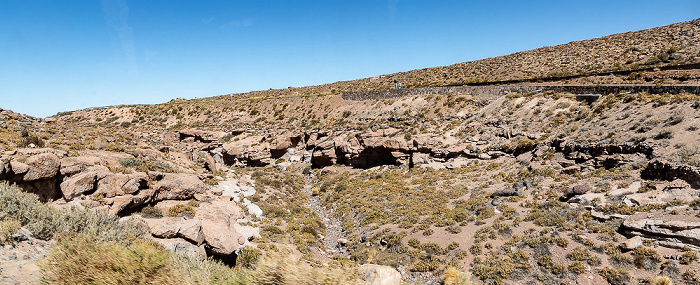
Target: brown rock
(632, 243)
(76, 185)
(179, 186)
(117, 184)
(191, 230)
(217, 219)
(73, 165)
(167, 229)
(42, 166)
(380, 274)
(18, 167)
(119, 204)
(178, 245)
(577, 190)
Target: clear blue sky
(66, 55)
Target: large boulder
(78, 184)
(178, 186)
(380, 274)
(118, 184)
(42, 166)
(178, 245)
(73, 165)
(171, 227)
(218, 219)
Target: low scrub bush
(82, 259)
(614, 276)
(180, 209)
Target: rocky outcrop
(669, 230)
(664, 170)
(35, 170)
(194, 135)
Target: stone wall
(490, 92)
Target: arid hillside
(532, 183)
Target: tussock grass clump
(208, 271)
(661, 280)
(82, 259)
(275, 269)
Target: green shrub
(180, 209)
(83, 259)
(614, 276)
(248, 257)
(425, 265)
(688, 256)
(577, 267)
(414, 242)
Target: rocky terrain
(544, 186)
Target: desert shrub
(688, 255)
(193, 203)
(453, 276)
(578, 254)
(426, 264)
(614, 276)
(645, 258)
(139, 262)
(248, 257)
(414, 242)
(432, 248)
(558, 269)
(31, 139)
(676, 117)
(545, 261)
(114, 146)
(689, 278)
(7, 229)
(151, 212)
(180, 209)
(211, 181)
(493, 267)
(648, 124)
(665, 133)
(577, 267)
